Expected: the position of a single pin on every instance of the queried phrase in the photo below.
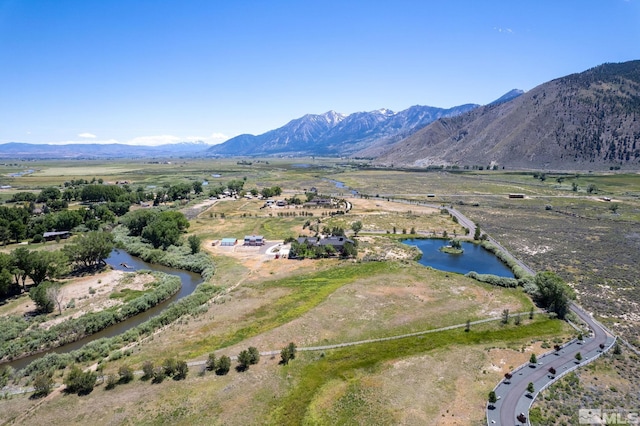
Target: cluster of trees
(23, 263)
(20, 222)
(176, 369)
(235, 185)
(309, 250)
(221, 365)
(247, 357)
(269, 192)
(125, 375)
(552, 293)
(160, 228)
(44, 266)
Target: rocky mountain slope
(332, 133)
(588, 120)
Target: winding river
(117, 259)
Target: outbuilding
(227, 242)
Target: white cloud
(503, 30)
(212, 139)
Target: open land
(441, 378)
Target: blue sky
(147, 72)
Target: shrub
(147, 370)
(223, 365)
(126, 374)
(42, 384)
(80, 382)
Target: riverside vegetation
(269, 303)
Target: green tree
(244, 360)
(356, 227)
(169, 366)
(137, 220)
(574, 187)
(578, 357)
(223, 365)
(182, 369)
(254, 355)
(349, 250)
(197, 187)
(492, 399)
(126, 374)
(552, 293)
(48, 264)
(533, 359)
(165, 229)
(288, 353)
(477, 233)
(18, 230)
(49, 194)
(90, 249)
(591, 188)
(505, 316)
(194, 243)
(80, 382)
(40, 297)
(530, 388)
(211, 362)
(42, 384)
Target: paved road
(513, 396)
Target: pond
(116, 260)
(475, 258)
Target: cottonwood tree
(90, 249)
(552, 293)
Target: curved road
(513, 396)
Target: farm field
(270, 302)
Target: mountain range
(28, 151)
(587, 120)
(333, 133)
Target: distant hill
(589, 120)
(333, 133)
(99, 151)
